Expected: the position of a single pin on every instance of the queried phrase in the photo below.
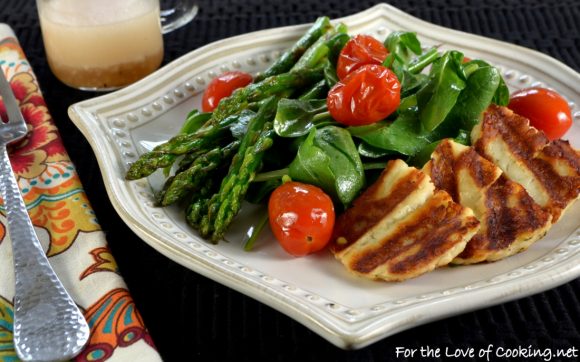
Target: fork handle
(48, 325)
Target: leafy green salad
(329, 112)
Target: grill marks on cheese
(549, 171)
(401, 227)
(431, 232)
(513, 180)
(396, 184)
(510, 219)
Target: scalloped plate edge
(341, 332)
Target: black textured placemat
(193, 318)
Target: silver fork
(48, 326)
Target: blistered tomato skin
(223, 86)
(367, 95)
(301, 217)
(547, 110)
(358, 51)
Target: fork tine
(10, 102)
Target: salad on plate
(401, 157)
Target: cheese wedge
(549, 171)
(401, 227)
(510, 219)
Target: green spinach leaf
(401, 45)
(366, 150)
(438, 97)
(481, 86)
(317, 91)
(404, 135)
(329, 159)
(424, 155)
(502, 94)
(296, 117)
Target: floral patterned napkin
(67, 229)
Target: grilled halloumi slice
(549, 171)
(401, 227)
(510, 219)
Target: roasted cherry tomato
(223, 86)
(547, 110)
(358, 51)
(301, 217)
(365, 96)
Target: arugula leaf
(328, 159)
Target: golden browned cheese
(401, 227)
(549, 171)
(510, 219)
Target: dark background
(193, 318)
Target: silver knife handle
(48, 326)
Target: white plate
(316, 290)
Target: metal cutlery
(48, 325)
